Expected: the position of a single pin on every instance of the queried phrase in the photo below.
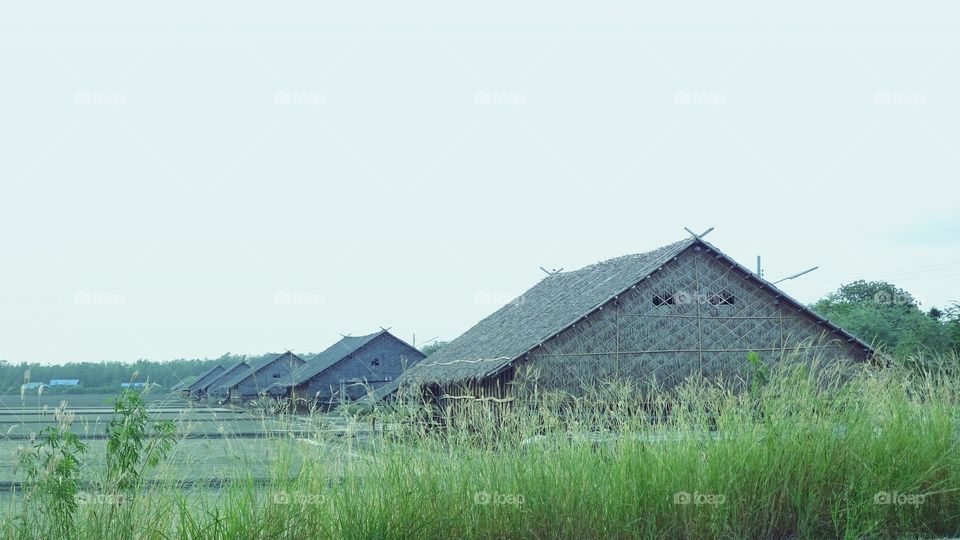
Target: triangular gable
(340, 351)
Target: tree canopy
(885, 315)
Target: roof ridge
(621, 258)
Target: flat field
(218, 442)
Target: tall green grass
(813, 453)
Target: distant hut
(682, 310)
(143, 385)
(215, 387)
(193, 389)
(350, 369)
(64, 382)
(247, 384)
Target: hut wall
(696, 316)
(377, 363)
(279, 370)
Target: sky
(185, 179)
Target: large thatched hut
(682, 310)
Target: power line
(908, 271)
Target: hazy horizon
(194, 178)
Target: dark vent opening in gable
(376, 362)
(722, 299)
(665, 299)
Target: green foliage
(885, 315)
(433, 347)
(53, 466)
(759, 373)
(951, 318)
(130, 449)
(54, 470)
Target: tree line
(108, 376)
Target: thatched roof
(551, 306)
(227, 375)
(241, 375)
(332, 356)
(203, 378)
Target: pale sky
(183, 179)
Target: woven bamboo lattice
(696, 316)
